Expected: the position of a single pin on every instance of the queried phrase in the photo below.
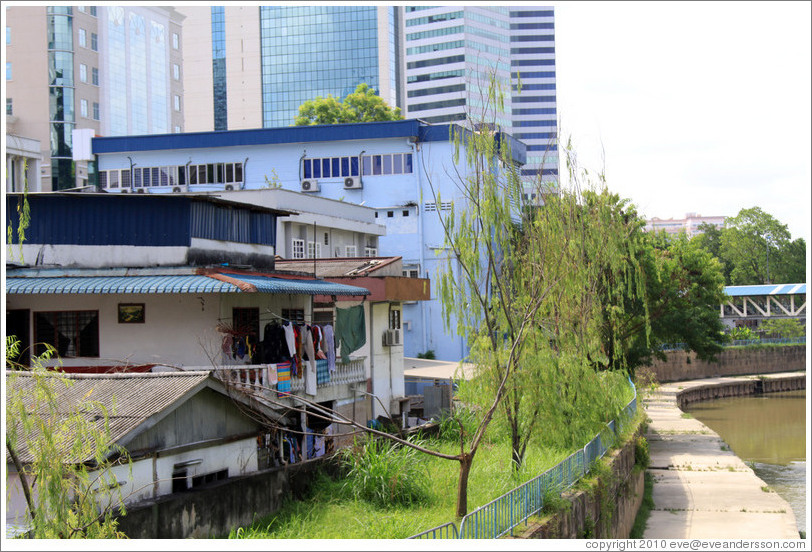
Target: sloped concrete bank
(605, 511)
(701, 488)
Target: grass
(333, 511)
(686, 415)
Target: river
(769, 432)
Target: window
(245, 321)
(294, 315)
(350, 251)
(82, 38)
(390, 214)
(326, 238)
(94, 42)
(405, 212)
(331, 167)
(96, 111)
(83, 72)
(298, 249)
(176, 71)
(177, 129)
(8, 70)
(177, 102)
(313, 247)
(370, 252)
(71, 333)
(8, 35)
(411, 271)
(94, 76)
(83, 108)
(93, 11)
(394, 319)
(389, 163)
(175, 41)
(9, 107)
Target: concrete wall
(740, 389)
(682, 366)
(214, 510)
(584, 518)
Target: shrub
(385, 475)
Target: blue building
(395, 167)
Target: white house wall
(179, 329)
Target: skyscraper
(253, 66)
(451, 52)
(113, 70)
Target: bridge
(749, 305)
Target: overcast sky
(699, 107)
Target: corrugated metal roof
(768, 289)
(187, 283)
(267, 284)
(130, 399)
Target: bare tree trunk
(466, 459)
(23, 480)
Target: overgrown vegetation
(646, 507)
(62, 452)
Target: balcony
(256, 379)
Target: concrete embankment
(701, 488)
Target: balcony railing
(258, 376)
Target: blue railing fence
(503, 514)
(743, 342)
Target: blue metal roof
(267, 284)
(260, 136)
(768, 289)
(186, 283)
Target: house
(186, 282)
(181, 430)
(395, 167)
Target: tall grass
(335, 511)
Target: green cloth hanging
(351, 332)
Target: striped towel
(283, 378)
(322, 372)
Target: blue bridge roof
(767, 289)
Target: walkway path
(701, 488)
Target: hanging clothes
(290, 339)
(311, 378)
(350, 330)
(329, 346)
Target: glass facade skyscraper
(451, 53)
(278, 57)
(315, 51)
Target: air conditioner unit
(179, 189)
(391, 338)
(229, 187)
(125, 190)
(352, 183)
(310, 185)
(140, 191)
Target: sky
(691, 107)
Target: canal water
(769, 432)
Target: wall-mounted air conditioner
(391, 338)
(125, 190)
(179, 189)
(140, 191)
(352, 183)
(310, 185)
(229, 187)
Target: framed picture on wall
(131, 313)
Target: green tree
(684, 288)
(62, 453)
(752, 244)
(787, 328)
(711, 241)
(362, 106)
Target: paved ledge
(700, 490)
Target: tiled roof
(130, 399)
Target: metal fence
(501, 515)
(742, 342)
